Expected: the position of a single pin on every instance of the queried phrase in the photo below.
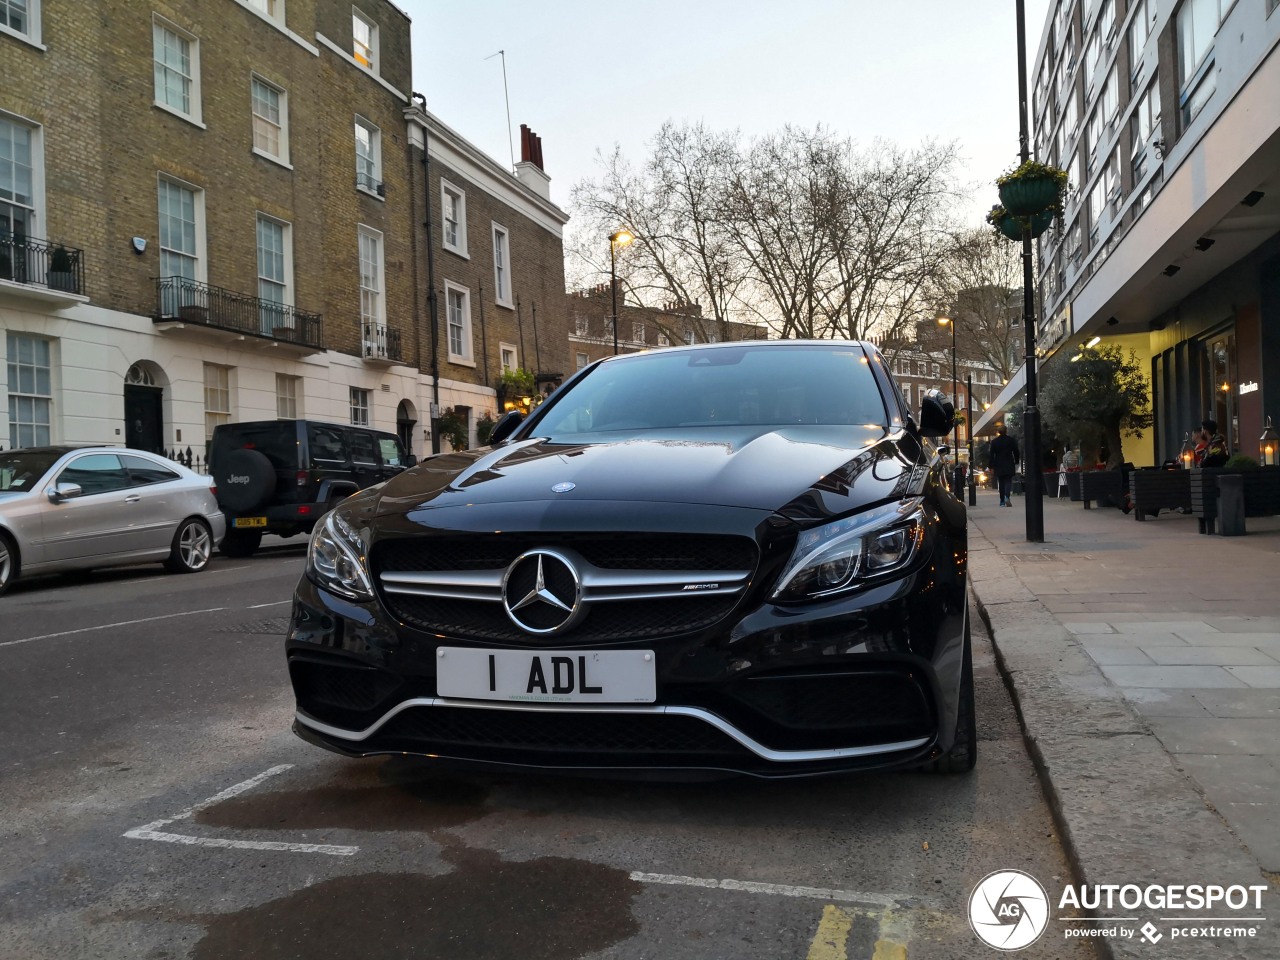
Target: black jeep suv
(729, 557)
(280, 476)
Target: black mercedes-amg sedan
(737, 558)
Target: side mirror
(944, 450)
(505, 426)
(409, 460)
(937, 414)
(65, 491)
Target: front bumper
(865, 682)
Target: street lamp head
(943, 321)
(622, 237)
(1093, 342)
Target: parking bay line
(778, 889)
(152, 831)
(130, 623)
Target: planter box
(1073, 485)
(194, 314)
(1159, 490)
(1103, 486)
(1261, 494)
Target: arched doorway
(406, 420)
(144, 407)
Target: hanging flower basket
(1007, 225)
(1032, 188)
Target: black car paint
(745, 480)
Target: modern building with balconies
(1166, 116)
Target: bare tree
(980, 285)
(682, 253)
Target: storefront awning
(1013, 392)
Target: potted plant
(452, 426)
(484, 428)
(61, 275)
(1009, 226)
(1032, 187)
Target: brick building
(213, 211)
(590, 326)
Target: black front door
(144, 418)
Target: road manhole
(272, 625)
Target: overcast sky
(585, 76)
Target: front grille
(612, 621)
(605, 619)
(333, 692)
(888, 705)
(435, 729)
(614, 552)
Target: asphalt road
(157, 806)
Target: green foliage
(1097, 397)
(452, 426)
(484, 428)
(1034, 170)
(517, 383)
(1241, 462)
(995, 215)
(60, 260)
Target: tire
(8, 562)
(192, 547)
(240, 543)
(963, 755)
(246, 481)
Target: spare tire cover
(245, 480)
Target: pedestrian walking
(1002, 460)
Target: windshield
(21, 471)
(730, 385)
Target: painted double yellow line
(831, 941)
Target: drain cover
(273, 625)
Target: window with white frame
(1107, 22)
(286, 396)
(688, 335)
(368, 156)
(581, 360)
(270, 119)
(502, 266)
(181, 235)
(372, 303)
(359, 407)
(1092, 53)
(664, 338)
(1197, 26)
(581, 325)
(637, 331)
(458, 316)
(217, 397)
(30, 369)
(272, 8)
(22, 17)
(1070, 118)
(453, 218)
(1109, 99)
(1139, 31)
(275, 268)
(364, 40)
(508, 357)
(19, 167)
(176, 57)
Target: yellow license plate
(249, 522)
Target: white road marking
(152, 831)
(108, 626)
(273, 603)
(774, 889)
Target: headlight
(335, 559)
(841, 556)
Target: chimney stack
(529, 170)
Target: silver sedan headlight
(336, 559)
(843, 555)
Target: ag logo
(1008, 910)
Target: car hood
(801, 471)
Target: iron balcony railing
(40, 263)
(178, 298)
(381, 342)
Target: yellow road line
(831, 940)
(888, 950)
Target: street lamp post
(619, 239)
(1031, 422)
(955, 437)
(968, 429)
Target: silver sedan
(69, 508)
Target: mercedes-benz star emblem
(563, 487)
(542, 592)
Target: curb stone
(1125, 812)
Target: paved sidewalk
(1145, 661)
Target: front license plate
(547, 676)
(249, 522)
